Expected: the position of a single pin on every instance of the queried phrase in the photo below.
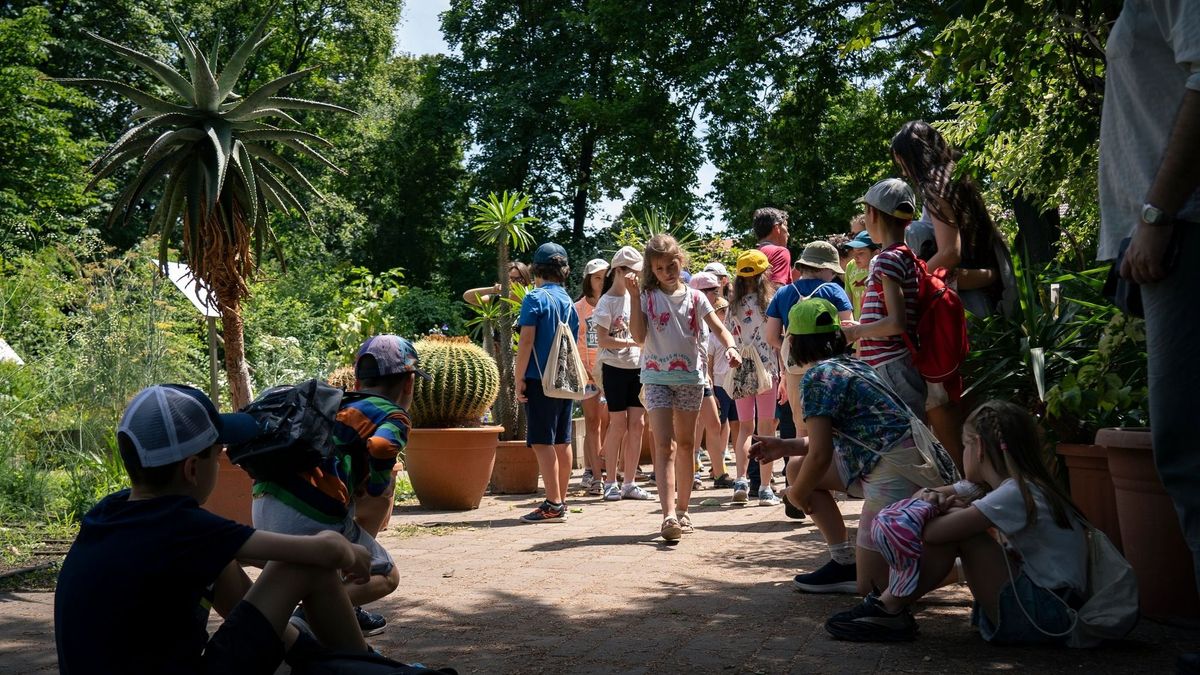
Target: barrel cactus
(465, 383)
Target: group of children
(824, 357)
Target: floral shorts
(673, 396)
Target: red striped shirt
(895, 264)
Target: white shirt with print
(673, 352)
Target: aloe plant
(214, 153)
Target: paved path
(603, 593)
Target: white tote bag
(564, 375)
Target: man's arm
(1177, 179)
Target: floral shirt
(749, 328)
(673, 351)
(847, 391)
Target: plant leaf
(254, 101)
(153, 103)
(168, 75)
(284, 103)
(233, 70)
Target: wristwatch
(1152, 215)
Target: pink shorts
(764, 402)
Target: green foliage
(42, 168)
(1109, 388)
(420, 311)
(465, 382)
(365, 305)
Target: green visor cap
(813, 316)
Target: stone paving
(603, 593)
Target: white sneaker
(587, 480)
(612, 493)
(634, 492)
(766, 497)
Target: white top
(720, 364)
(672, 352)
(1153, 55)
(1051, 556)
(612, 315)
(748, 325)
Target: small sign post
(205, 302)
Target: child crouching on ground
(135, 589)
(862, 439)
(1022, 591)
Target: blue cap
(860, 240)
(550, 253)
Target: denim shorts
(547, 419)
(1045, 606)
(725, 406)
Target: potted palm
(450, 450)
(217, 156)
(499, 221)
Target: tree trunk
(506, 404)
(583, 180)
(236, 370)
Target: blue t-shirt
(134, 591)
(544, 308)
(789, 295)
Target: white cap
(716, 269)
(703, 281)
(170, 422)
(628, 256)
(594, 265)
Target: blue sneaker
(546, 513)
(741, 490)
(870, 622)
(369, 623)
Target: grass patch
(409, 530)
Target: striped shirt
(894, 263)
(369, 434)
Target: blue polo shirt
(544, 308)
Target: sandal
(671, 530)
(685, 524)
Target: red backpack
(941, 339)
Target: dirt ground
(602, 592)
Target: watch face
(1152, 215)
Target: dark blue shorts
(547, 420)
(245, 643)
(725, 406)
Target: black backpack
(295, 424)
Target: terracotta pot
(516, 469)
(1150, 529)
(231, 497)
(1092, 486)
(450, 468)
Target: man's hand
(521, 398)
(1145, 260)
(767, 448)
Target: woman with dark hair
(967, 241)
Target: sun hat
(627, 256)
(168, 423)
(814, 316)
(861, 240)
(821, 255)
(752, 263)
(893, 197)
(703, 281)
(550, 253)
(721, 303)
(393, 355)
(716, 269)
(594, 265)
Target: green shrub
(421, 311)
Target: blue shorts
(1045, 606)
(547, 420)
(725, 407)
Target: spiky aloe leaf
(301, 147)
(284, 103)
(245, 169)
(285, 166)
(233, 70)
(254, 101)
(282, 135)
(151, 103)
(268, 112)
(207, 92)
(168, 75)
(222, 139)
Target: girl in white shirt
(667, 325)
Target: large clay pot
(231, 496)
(1092, 486)
(1150, 529)
(516, 469)
(450, 468)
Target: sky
(420, 32)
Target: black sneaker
(870, 622)
(834, 577)
(546, 513)
(788, 509)
(723, 482)
(369, 623)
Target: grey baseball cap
(893, 197)
(171, 422)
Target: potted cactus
(450, 451)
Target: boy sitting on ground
(370, 432)
(135, 589)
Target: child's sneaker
(635, 492)
(741, 490)
(870, 622)
(723, 481)
(587, 480)
(766, 497)
(546, 513)
(696, 484)
(369, 623)
(671, 529)
(596, 488)
(612, 493)
(834, 577)
(685, 524)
